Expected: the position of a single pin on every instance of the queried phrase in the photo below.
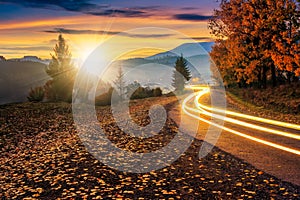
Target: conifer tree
(181, 75)
(62, 71)
(120, 84)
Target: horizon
(133, 55)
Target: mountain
(187, 50)
(158, 69)
(19, 75)
(31, 59)
(16, 79)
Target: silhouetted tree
(62, 72)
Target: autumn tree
(286, 53)
(181, 74)
(62, 72)
(255, 36)
(222, 65)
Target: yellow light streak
(204, 91)
(250, 117)
(241, 123)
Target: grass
(284, 98)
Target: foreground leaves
(43, 158)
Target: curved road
(272, 146)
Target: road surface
(271, 146)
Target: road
(269, 145)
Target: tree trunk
(264, 77)
(274, 77)
(259, 78)
(289, 77)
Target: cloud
(125, 34)
(86, 7)
(199, 38)
(70, 5)
(27, 48)
(189, 8)
(79, 32)
(192, 17)
(146, 35)
(120, 13)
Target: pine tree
(62, 72)
(120, 84)
(181, 74)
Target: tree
(261, 39)
(62, 72)
(181, 74)
(120, 84)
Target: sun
(85, 59)
(85, 53)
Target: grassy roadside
(284, 98)
(237, 102)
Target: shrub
(104, 99)
(36, 95)
(139, 93)
(146, 92)
(157, 92)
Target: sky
(31, 27)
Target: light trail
(241, 123)
(204, 90)
(250, 117)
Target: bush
(140, 93)
(59, 89)
(143, 92)
(104, 99)
(36, 95)
(157, 92)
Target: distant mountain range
(19, 75)
(187, 50)
(16, 79)
(158, 69)
(27, 59)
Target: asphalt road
(281, 160)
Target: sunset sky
(31, 27)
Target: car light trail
(241, 123)
(250, 117)
(200, 110)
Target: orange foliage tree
(257, 39)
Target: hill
(16, 79)
(158, 69)
(187, 50)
